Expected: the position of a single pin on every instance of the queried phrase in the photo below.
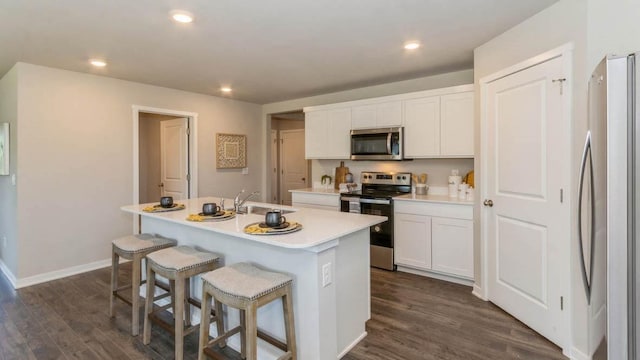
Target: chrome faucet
(237, 203)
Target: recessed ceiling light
(412, 45)
(225, 89)
(181, 16)
(98, 63)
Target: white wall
(75, 160)
(8, 192)
(564, 22)
(614, 28)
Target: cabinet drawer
(316, 199)
(455, 211)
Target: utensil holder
(421, 189)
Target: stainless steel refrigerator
(608, 207)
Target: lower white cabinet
(425, 240)
(315, 200)
(412, 245)
(452, 246)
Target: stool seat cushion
(245, 281)
(181, 258)
(142, 242)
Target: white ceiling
(267, 50)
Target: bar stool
(246, 287)
(177, 264)
(134, 248)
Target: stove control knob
(398, 177)
(404, 178)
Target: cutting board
(341, 174)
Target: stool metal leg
(115, 259)
(135, 294)
(178, 313)
(148, 307)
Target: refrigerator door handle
(586, 155)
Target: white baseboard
(577, 355)
(352, 345)
(5, 270)
(58, 274)
(477, 292)
(436, 275)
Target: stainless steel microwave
(377, 144)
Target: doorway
(164, 155)
(289, 168)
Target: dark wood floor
(412, 318)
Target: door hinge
(561, 303)
(188, 131)
(561, 196)
(188, 177)
(561, 81)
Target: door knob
(161, 185)
(488, 203)
(304, 179)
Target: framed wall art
(231, 151)
(4, 148)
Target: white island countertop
(320, 227)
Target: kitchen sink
(260, 210)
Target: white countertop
(319, 226)
(442, 199)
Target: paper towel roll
(455, 179)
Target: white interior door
(528, 224)
(274, 166)
(292, 162)
(174, 164)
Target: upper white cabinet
(422, 127)
(437, 123)
(456, 124)
(439, 126)
(327, 134)
(385, 114)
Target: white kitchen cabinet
(422, 127)
(412, 244)
(456, 124)
(384, 114)
(315, 200)
(327, 134)
(452, 246)
(434, 238)
(439, 126)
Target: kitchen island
(328, 260)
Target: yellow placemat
(158, 208)
(255, 229)
(199, 218)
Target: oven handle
(375, 201)
(389, 143)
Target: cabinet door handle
(488, 203)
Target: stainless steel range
(376, 198)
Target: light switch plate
(326, 275)
(245, 171)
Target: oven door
(381, 234)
